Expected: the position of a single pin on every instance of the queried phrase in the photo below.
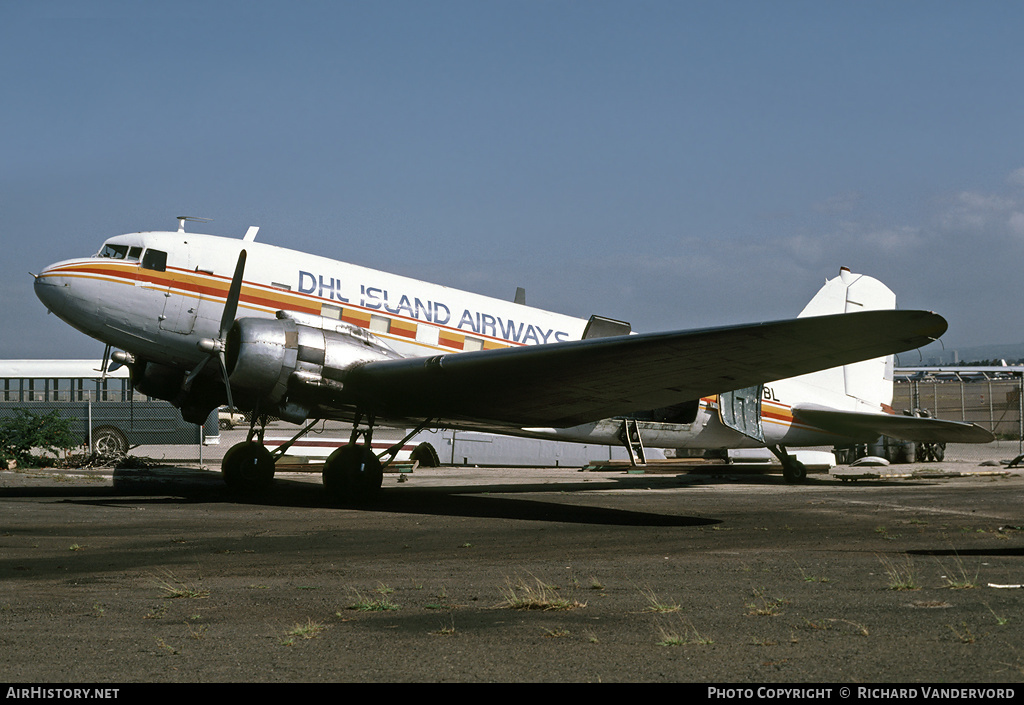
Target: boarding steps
(630, 437)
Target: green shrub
(25, 431)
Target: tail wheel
(352, 473)
(794, 471)
(109, 441)
(248, 467)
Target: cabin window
(430, 335)
(155, 260)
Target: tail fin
(868, 383)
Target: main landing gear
(351, 474)
(792, 469)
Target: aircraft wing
(869, 426)
(565, 384)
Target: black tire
(794, 471)
(352, 474)
(247, 467)
(108, 441)
(425, 454)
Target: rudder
(868, 382)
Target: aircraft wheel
(794, 471)
(352, 473)
(247, 467)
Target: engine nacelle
(295, 361)
(156, 380)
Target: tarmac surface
(516, 575)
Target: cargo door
(180, 308)
(740, 410)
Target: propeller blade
(227, 381)
(234, 292)
(187, 384)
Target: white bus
(108, 415)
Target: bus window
(113, 389)
(36, 390)
(155, 260)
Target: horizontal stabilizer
(569, 383)
(868, 426)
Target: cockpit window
(155, 259)
(124, 252)
(114, 251)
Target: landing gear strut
(792, 469)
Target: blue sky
(674, 164)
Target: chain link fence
(109, 419)
(992, 402)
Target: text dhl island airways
(435, 312)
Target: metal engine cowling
(285, 361)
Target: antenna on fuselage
(183, 218)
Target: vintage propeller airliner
(205, 320)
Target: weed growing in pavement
(656, 605)
(538, 596)
(811, 578)
(309, 630)
(556, 633)
(366, 604)
(901, 577)
(964, 637)
(446, 630)
(999, 620)
(172, 650)
(764, 606)
(959, 579)
(688, 636)
(175, 588)
(829, 623)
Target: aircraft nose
(52, 289)
(44, 286)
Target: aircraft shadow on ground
(960, 553)
(478, 501)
